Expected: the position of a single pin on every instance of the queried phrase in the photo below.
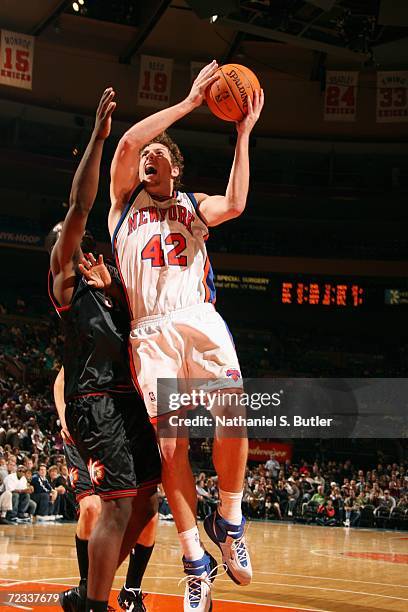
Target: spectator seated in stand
(16, 484)
(64, 505)
(352, 510)
(326, 514)
(43, 494)
(386, 505)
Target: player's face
(155, 167)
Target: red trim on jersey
(54, 302)
(87, 493)
(150, 483)
(118, 494)
(122, 281)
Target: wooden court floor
(296, 567)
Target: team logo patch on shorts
(234, 374)
(96, 471)
(73, 476)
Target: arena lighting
(213, 18)
(206, 9)
(81, 2)
(75, 6)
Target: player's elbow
(81, 205)
(236, 208)
(127, 144)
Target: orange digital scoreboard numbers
(322, 294)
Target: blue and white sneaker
(231, 541)
(200, 575)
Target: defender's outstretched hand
(254, 111)
(204, 78)
(95, 272)
(103, 114)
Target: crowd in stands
(34, 479)
(328, 494)
(331, 493)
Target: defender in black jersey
(113, 436)
(104, 415)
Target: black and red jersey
(96, 331)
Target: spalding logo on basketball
(227, 98)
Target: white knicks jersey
(161, 255)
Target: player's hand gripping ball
(227, 97)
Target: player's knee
(90, 509)
(116, 514)
(173, 450)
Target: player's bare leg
(226, 525)
(179, 485)
(104, 549)
(178, 482)
(139, 539)
(89, 511)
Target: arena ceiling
(365, 31)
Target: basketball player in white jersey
(159, 236)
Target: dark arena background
(312, 278)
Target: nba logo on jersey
(234, 374)
(152, 396)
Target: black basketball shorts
(116, 442)
(78, 474)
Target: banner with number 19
(154, 81)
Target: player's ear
(175, 171)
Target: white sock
(230, 507)
(190, 544)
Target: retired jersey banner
(154, 81)
(340, 100)
(16, 59)
(392, 96)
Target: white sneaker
(200, 575)
(347, 523)
(231, 541)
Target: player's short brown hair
(177, 158)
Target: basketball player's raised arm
(125, 163)
(217, 209)
(84, 187)
(60, 402)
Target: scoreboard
(328, 293)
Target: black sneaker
(131, 600)
(72, 601)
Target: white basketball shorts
(186, 344)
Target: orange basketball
(227, 98)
